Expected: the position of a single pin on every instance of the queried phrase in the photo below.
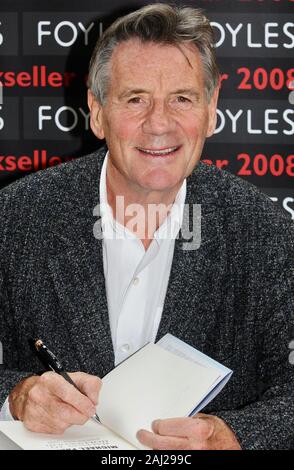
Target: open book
(163, 380)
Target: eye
(135, 100)
(183, 99)
(181, 102)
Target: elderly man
(153, 89)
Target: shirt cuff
(5, 414)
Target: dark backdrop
(45, 48)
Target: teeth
(159, 152)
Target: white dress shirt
(136, 280)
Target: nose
(158, 119)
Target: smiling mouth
(159, 152)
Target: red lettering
(55, 79)
(54, 161)
(10, 163)
(23, 79)
(24, 163)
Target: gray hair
(159, 23)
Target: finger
(206, 426)
(182, 427)
(63, 412)
(90, 385)
(157, 442)
(67, 393)
(173, 426)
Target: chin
(160, 182)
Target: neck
(141, 210)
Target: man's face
(156, 116)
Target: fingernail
(155, 423)
(138, 432)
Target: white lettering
(249, 124)
(222, 33)
(234, 119)
(65, 118)
(242, 120)
(62, 28)
(220, 115)
(285, 116)
(290, 35)
(289, 209)
(1, 121)
(86, 117)
(41, 32)
(57, 120)
(86, 31)
(249, 34)
(268, 34)
(74, 33)
(42, 117)
(269, 121)
(234, 32)
(1, 36)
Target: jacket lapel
(79, 282)
(194, 290)
(77, 271)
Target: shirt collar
(169, 228)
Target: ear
(96, 115)
(212, 106)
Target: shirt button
(125, 348)
(135, 281)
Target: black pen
(50, 360)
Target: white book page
(90, 436)
(151, 384)
(182, 349)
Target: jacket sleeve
(269, 422)
(5, 414)
(10, 374)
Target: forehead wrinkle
(128, 66)
(185, 55)
(139, 49)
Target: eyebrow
(180, 91)
(132, 91)
(187, 91)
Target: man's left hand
(202, 432)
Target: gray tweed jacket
(233, 298)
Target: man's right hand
(50, 404)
